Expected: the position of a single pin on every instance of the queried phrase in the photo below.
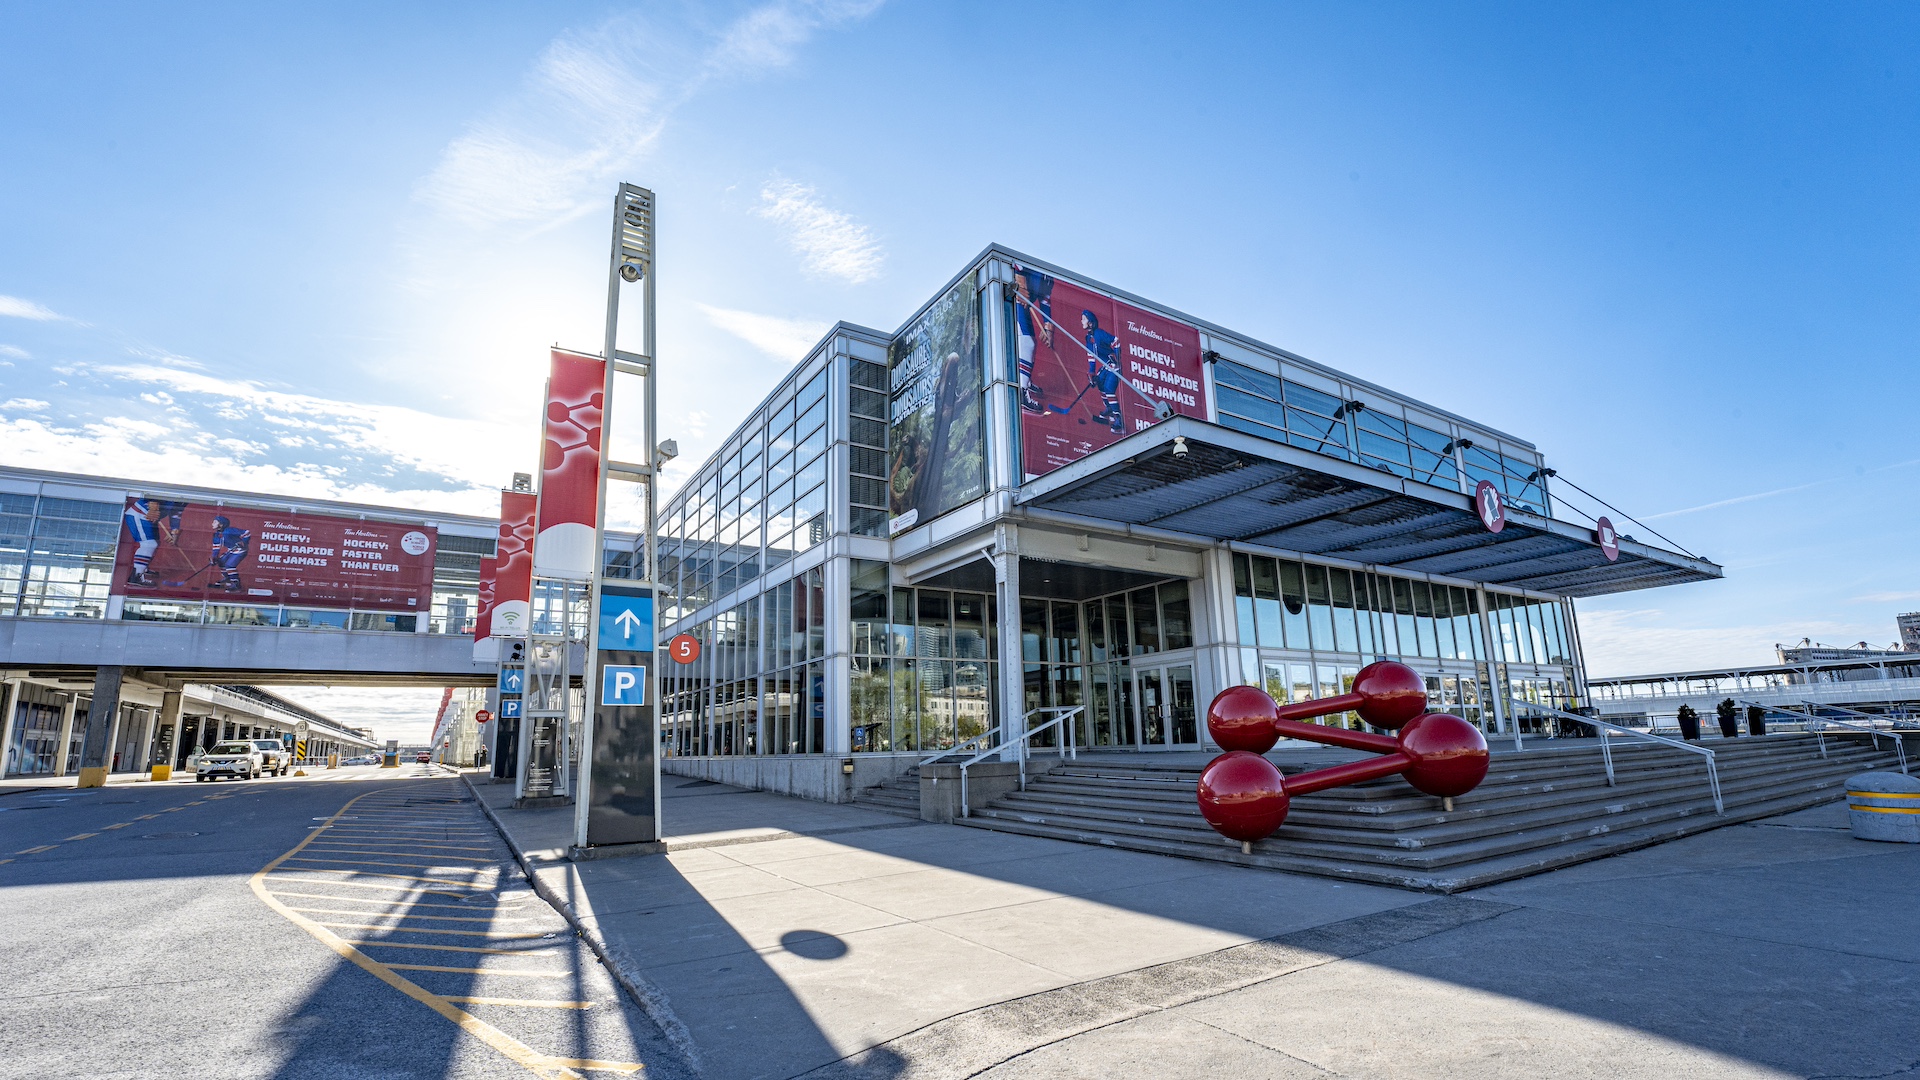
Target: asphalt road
(354, 924)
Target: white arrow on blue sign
(623, 685)
(626, 622)
(511, 680)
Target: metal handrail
(1606, 728)
(962, 748)
(1899, 747)
(1066, 747)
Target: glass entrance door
(1167, 712)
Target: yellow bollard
(162, 772)
(333, 761)
(95, 777)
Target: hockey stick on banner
(189, 578)
(1161, 410)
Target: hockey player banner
(178, 550)
(513, 566)
(570, 467)
(937, 446)
(1093, 370)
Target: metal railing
(1606, 728)
(1020, 743)
(963, 747)
(1817, 724)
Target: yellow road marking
(146, 817)
(81, 836)
(383, 915)
(426, 930)
(363, 851)
(523, 1003)
(410, 904)
(478, 971)
(373, 873)
(409, 865)
(593, 1065)
(407, 842)
(411, 890)
(121, 825)
(541, 1065)
(5, 861)
(37, 850)
(369, 944)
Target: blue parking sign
(509, 708)
(623, 685)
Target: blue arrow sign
(623, 685)
(509, 708)
(626, 622)
(512, 680)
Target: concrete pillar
(103, 712)
(10, 701)
(116, 723)
(170, 703)
(1006, 599)
(66, 735)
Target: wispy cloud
(23, 404)
(783, 339)
(595, 101)
(17, 308)
(15, 351)
(828, 242)
(1887, 598)
(1646, 641)
(1736, 500)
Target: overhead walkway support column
(1012, 688)
(101, 714)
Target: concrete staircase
(899, 795)
(1547, 807)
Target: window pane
(1176, 615)
(1066, 632)
(1266, 602)
(1319, 611)
(1293, 604)
(1340, 585)
(1146, 621)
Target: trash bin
(1884, 806)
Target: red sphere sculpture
(1391, 694)
(1449, 755)
(1241, 718)
(1243, 796)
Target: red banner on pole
(483, 609)
(513, 565)
(570, 467)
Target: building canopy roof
(1238, 487)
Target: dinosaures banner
(179, 550)
(1093, 370)
(937, 446)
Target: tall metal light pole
(617, 799)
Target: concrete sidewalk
(780, 937)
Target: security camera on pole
(617, 799)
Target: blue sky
(324, 251)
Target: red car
(423, 757)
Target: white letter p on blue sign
(620, 685)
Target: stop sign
(482, 716)
(684, 648)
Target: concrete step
(1548, 809)
(1546, 827)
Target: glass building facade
(824, 637)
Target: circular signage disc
(1609, 540)
(684, 648)
(1491, 507)
(482, 716)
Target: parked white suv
(243, 760)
